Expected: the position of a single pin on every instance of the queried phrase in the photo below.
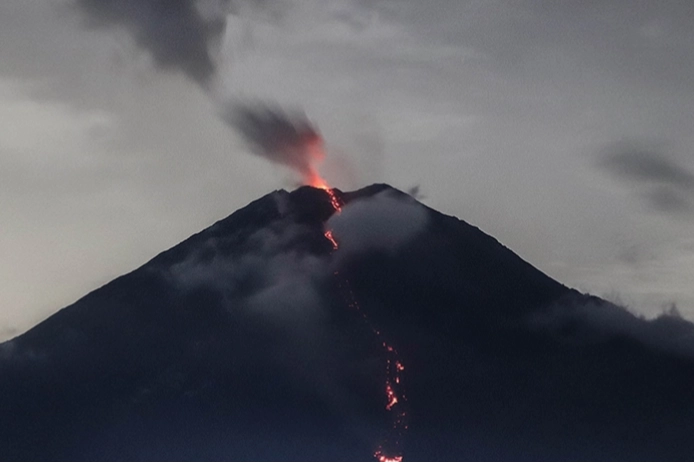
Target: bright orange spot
(316, 154)
(392, 398)
(315, 180)
(380, 456)
(329, 235)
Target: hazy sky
(564, 129)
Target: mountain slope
(240, 344)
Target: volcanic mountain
(264, 337)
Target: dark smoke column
(178, 34)
(280, 137)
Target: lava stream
(394, 398)
(329, 236)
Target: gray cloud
(665, 184)
(633, 163)
(279, 136)
(383, 222)
(667, 199)
(177, 33)
(595, 321)
(268, 260)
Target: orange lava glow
(392, 398)
(394, 394)
(383, 458)
(329, 236)
(334, 200)
(315, 180)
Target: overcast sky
(563, 129)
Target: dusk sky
(562, 128)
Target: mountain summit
(327, 325)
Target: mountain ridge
(239, 343)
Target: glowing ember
(313, 146)
(329, 236)
(315, 180)
(392, 399)
(383, 458)
(337, 205)
(334, 200)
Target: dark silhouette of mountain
(238, 344)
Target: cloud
(592, 320)
(667, 199)
(262, 274)
(272, 284)
(275, 270)
(666, 185)
(382, 222)
(178, 34)
(643, 165)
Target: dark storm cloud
(279, 136)
(665, 184)
(177, 33)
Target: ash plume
(178, 34)
(281, 137)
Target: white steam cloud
(383, 222)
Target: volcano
(262, 338)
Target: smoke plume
(281, 137)
(179, 35)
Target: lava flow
(389, 449)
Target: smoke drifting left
(179, 35)
(280, 137)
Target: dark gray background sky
(563, 128)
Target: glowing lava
(383, 458)
(329, 236)
(392, 398)
(315, 180)
(393, 394)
